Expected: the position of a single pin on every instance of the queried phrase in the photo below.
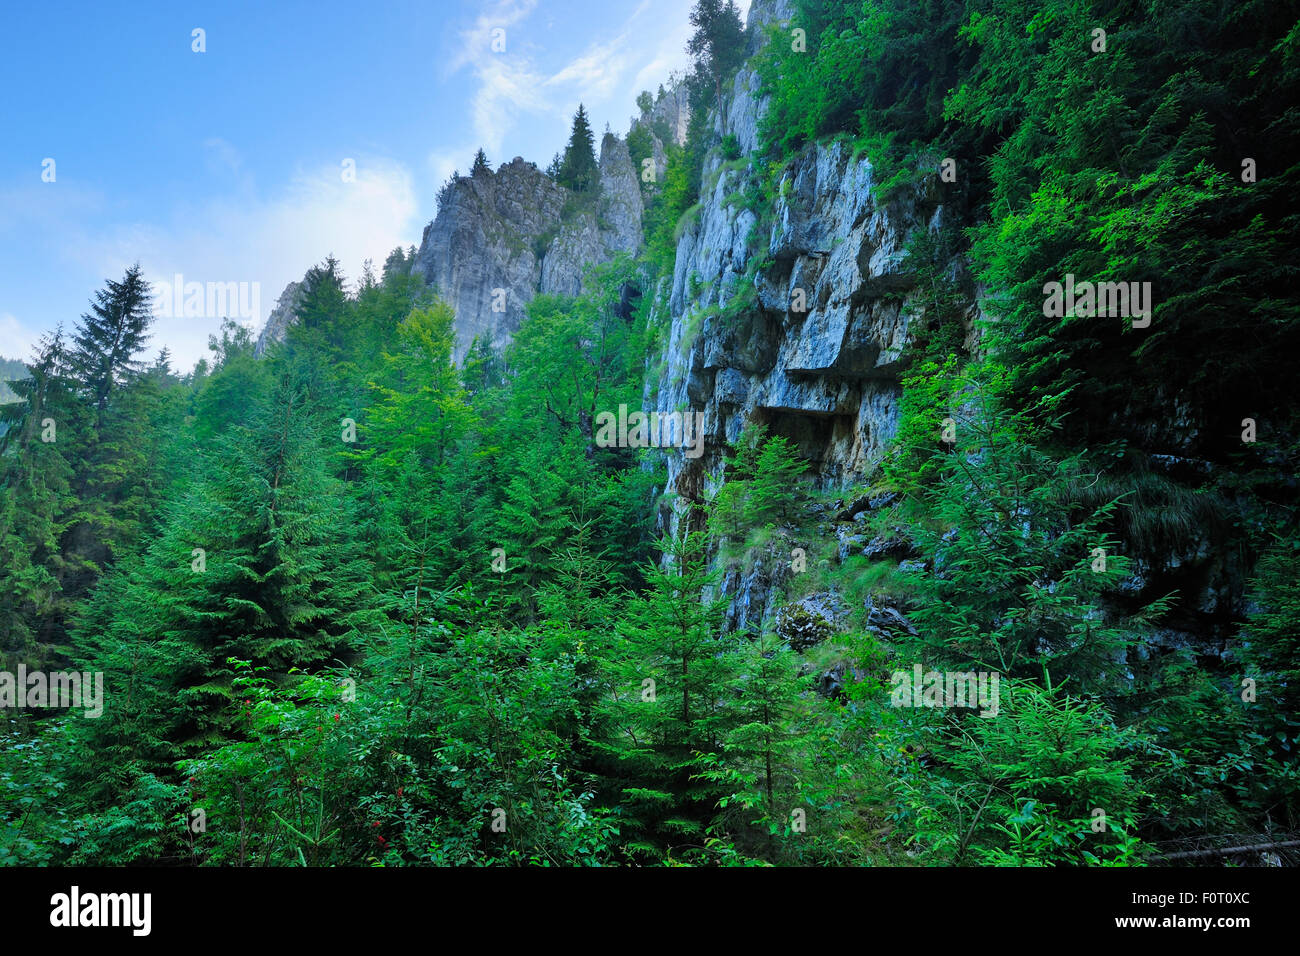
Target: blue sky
(228, 165)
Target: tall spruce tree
(717, 45)
(36, 499)
(259, 560)
(109, 338)
(578, 169)
(671, 711)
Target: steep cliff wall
(283, 315)
(500, 238)
(827, 377)
(794, 317)
(793, 314)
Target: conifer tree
(108, 339)
(36, 500)
(396, 264)
(763, 752)
(578, 169)
(673, 712)
(323, 312)
(258, 561)
(718, 43)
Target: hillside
(883, 454)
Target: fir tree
(578, 169)
(672, 715)
(36, 501)
(108, 339)
(718, 43)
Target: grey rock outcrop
(502, 237)
(283, 315)
(483, 250)
(799, 326)
(591, 238)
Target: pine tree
(578, 169)
(718, 43)
(108, 339)
(480, 164)
(671, 714)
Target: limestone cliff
(795, 314)
(500, 238)
(283, 315)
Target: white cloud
(648, 45)
(16, 340)
(504, 91)
(596, 70)
(269, 242)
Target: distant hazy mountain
(10, 369)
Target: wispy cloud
(270, 242)
(18, 340)
(608, 72)
(507, 82)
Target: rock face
(799, 326)
(796, 320)
(794, 313)
(589, 239)
(666, 121)
(281, 317)
(500, 238)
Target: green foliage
(10, 370)
(578, 169)
(668, 711)
(1018, 574)
(362, 603)
(717, 46)
(640, 147)
(763, 484)
(1024, 788)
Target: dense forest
(355, 603)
